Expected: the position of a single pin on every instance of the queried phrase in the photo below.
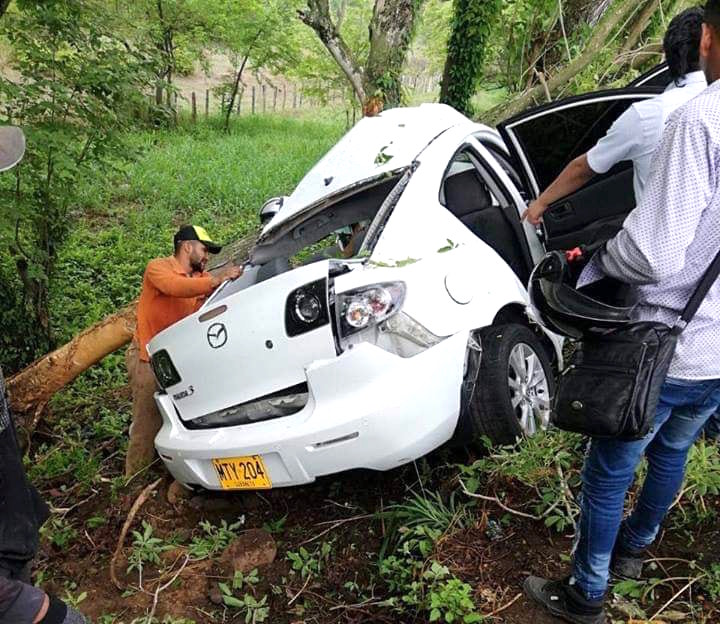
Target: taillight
(307, 308)
(165, 372)
(368, 306)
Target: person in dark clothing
(23, 511)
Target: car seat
(468, 198)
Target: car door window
(565, 134)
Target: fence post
(253, 100)
(274, 99)
(194, 107)
(264, 98)
(222, 105)
(347, 119)
(294, 97)
(240, 97)
(300, 100)
(207, 102)
(284, 96)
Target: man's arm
(573, 177)
(174, 285)
(617, 145)
(653, 244)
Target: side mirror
(12, 147)
(270, 208)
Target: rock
(215, 596)
(253, 549)
(177, 492)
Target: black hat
(196, 233)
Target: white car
(310, 364)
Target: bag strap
(698, 296)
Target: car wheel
(513, 385)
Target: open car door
(544, 140)
(658, 76)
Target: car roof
(375, 147)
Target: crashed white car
(311, 364)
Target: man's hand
(534, 212)
(228, 273)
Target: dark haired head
(682, 42)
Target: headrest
(466, 193)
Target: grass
(194, 174)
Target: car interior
(466, 193)
(313, 238)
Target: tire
(502, 405)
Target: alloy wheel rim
(529, 389)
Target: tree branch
(317, 17)
(611, 20)
(641, 24)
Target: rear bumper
(367, 409)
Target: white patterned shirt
(669, 240)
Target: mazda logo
(217, 335)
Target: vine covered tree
(472, 25)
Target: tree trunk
(4, 4)
(611, 20)
(233, 94)
(317, 16)
(31, 389)
(391, 30)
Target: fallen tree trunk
(614, 17)
(31, 388)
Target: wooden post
(347, 119)
(240, 97)
(295, 97)
(194, 106)
(264, 98)
(167, 97)
(222, 104)
(207, 102)
(274, 99)
(300, 100)
(284, 96)
(253, 100)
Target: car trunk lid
(240, 349)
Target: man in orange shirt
(172, 288)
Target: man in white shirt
(637, 132)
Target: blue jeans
(609, 470)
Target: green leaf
(231, 601)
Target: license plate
(242, 473)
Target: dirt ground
(340, 511)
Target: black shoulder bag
(611, 385)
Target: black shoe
(564, 601)
(627, 564)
